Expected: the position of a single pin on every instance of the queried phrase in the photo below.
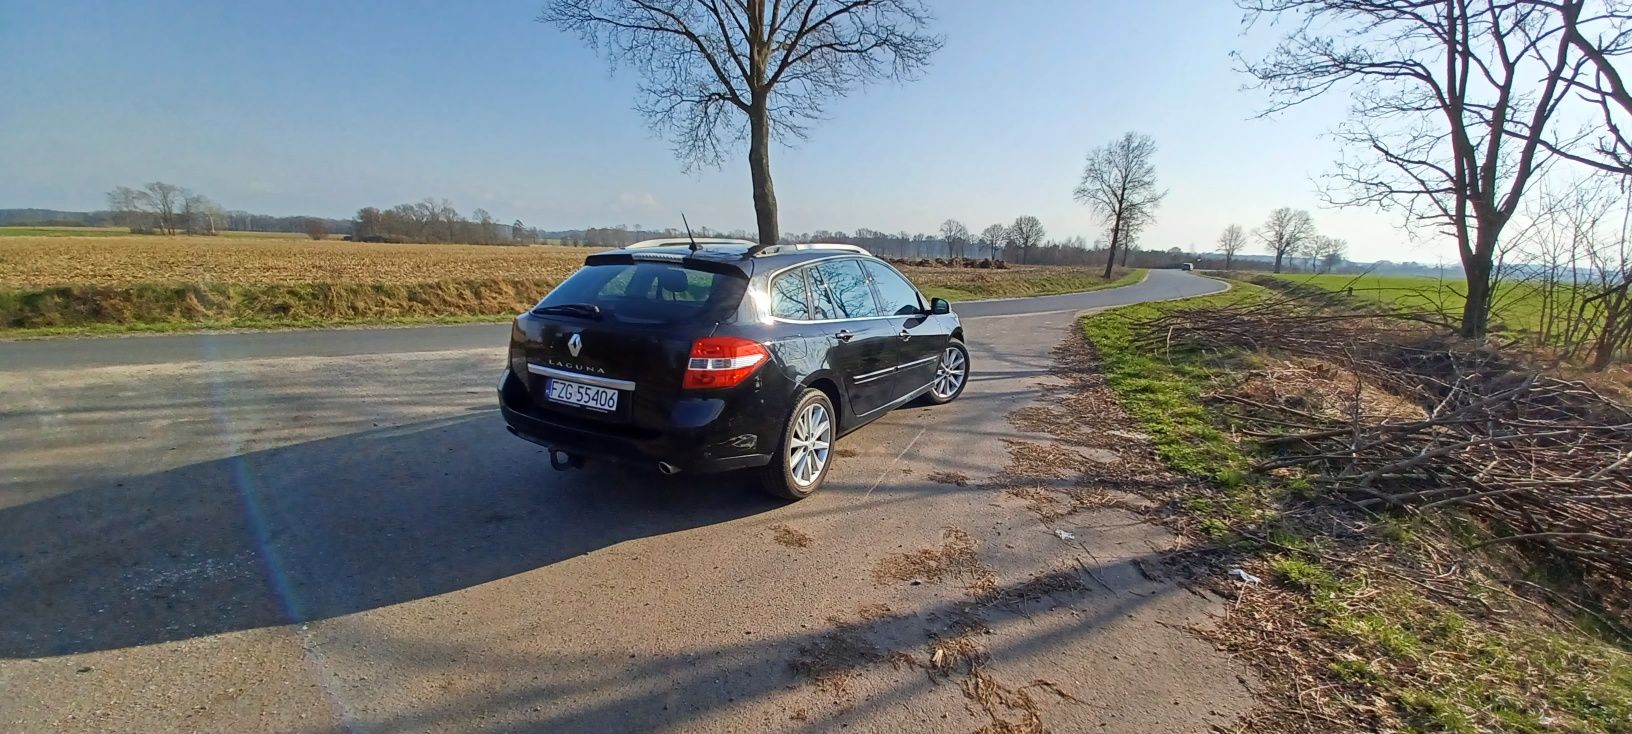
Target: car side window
(789, 297)
(843, 290)
(823, 305)
(897, 296)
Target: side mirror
(939, 306)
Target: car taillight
(722, 361)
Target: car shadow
(319, 529)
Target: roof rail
(776, 249)
(670, 241)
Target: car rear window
(651, 293)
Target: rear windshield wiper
(581, 310)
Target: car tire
(951, 373)
(805, 451)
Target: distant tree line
(164, 208)
(433, 220)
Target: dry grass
(40, 262)
(67, 284)
(53, 283)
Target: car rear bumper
(709, 441)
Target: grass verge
(1343, 632)
(161, 308)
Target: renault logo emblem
(575, 344)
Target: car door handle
(905, 334)
(844, 335)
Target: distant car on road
(722, 354)
(1187, 267)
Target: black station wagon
(712, 355)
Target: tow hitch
(562, 461)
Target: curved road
(330, 530)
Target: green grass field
(1517, 307)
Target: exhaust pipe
(667, 468)
(562, 460)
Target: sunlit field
(1517, 305)
(109, 281)
(37, 262)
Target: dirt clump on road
(949, 477)
(954, 559)
(790, 537)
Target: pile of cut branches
(1543, 462)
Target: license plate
(585, 396)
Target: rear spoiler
(618, 257)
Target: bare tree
(715, 72)
(1230, 242)
(156, 207)
(956, 236)
(1286, 232)
(316, 229)
(125, 204)
(1326, 253)
(993, 237)
(1026, 233)
(1450, 105)
(1578, 248)
(164, 201)
(487, 232)
(370, 223)
(1119, 186)
(199, 215)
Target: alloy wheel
(809, 443)
(950, 373)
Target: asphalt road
(45, 354)
(331, 531)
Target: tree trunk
(1476, 267)
(1227, 258)
(1110, 258)
(1617, 325)
(759, 170)
(1476, 312)
(1278, 255)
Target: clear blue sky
(322, 107)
